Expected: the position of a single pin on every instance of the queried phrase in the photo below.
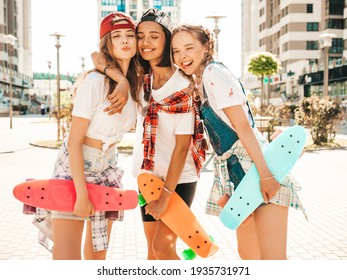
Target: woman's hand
(118, 97)
(157, 208)
(83, 206)
(120, 94)
(269, 187)
(99, 61)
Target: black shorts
(186, 191)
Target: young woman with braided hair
(237, 143)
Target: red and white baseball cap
(111, 22)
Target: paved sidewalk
(324, 195)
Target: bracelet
(266, 178)
(107, 67)
(166, 189)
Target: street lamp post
(83, 59)
(10, 40)
(326, 42)
(57, 36)
(49, 85)
(216, 30)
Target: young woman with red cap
(89, 153)
(165, 130)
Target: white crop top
(91, 100)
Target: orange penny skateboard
(178, 217)
(60, 195)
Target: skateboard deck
(178, 217)
(60, 195)
(280, 155)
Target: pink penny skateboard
(60, 195)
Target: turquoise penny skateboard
(280, 155)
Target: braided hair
(205, 37)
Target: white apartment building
(291, 29)
(15, 51)
(135, 8)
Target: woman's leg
(67, 236)
(164, 243)
(161, 241)
(272, 224)
(89, 253)
(150, 229)
(247, 241)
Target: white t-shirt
(223, 90)
(169, 125)
(91, 100)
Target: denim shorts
(95, 161)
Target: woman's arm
(269, 185)
(158, 207)
(119, 96)
(83, 207)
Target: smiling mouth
(147, 50)
(186, 64)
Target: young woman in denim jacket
(237, 143)
(89, 153)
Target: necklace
(161, 81)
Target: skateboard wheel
(29, 210)
(189, 254)
(111, 215)
(142, 201)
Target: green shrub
(318, 115)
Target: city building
(15, 53)
(291, 29)
(135, 8)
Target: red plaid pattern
(179, 102)
(199, 154)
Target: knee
(100, 255)
(163, 250)
(159, 250)
(249, 254)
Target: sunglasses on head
(200, 129)
(203, 144)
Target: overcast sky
(77, 19)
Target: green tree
(263, 65)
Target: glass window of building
(311, 45)
(309, 8)
(334, 23)
(312, 26)
(145, 4)
(157, 4)
(336, 46)
(335, 7)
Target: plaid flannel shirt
(180, 102)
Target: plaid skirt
(286, 196)
(101, 169)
